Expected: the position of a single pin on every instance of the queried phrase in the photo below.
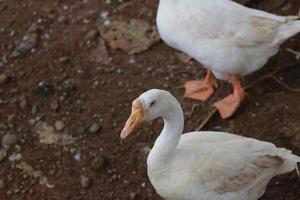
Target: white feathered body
(218, 166)
(224, 36)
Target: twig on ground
(270, 75)
(180, 87)
(284, 85)
(207, 119)
(296, 53)
(194, 108)
(267, 76)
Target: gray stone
(59, 125)
(62, 19)
(98, 162)
(94, 128)
(64, 59)
(27, 43)
(133, 195)
(85, 182)
(9, 140)
(54, 106)
(44, 89)
(23, 102)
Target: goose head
(147, 107)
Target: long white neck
(168, 139)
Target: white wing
(237, 165)
(245, 27)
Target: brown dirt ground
(270, 112)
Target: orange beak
(135, 119)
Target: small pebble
(62, 19)
(143, 184)
(115, 177)
(44, 89)
(59, 125)
(133, 195)
(23, 102)
(98, 162)
(9, 141)
(94, 128)
(54, 106)
(77, 156)
(17, 191)
(63, 59)
(15, 157)
(104, 14)
(85, 182)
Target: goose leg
(201, 90)
(231, 103)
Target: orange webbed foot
(229, 105)
(201, 90)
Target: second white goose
(229, 39)
(204, 165)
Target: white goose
(229, 39)
(204, 165)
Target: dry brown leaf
(133, 37)
(100, 54)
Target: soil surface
(65, 95)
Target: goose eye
(152, 103)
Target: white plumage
(218, 166)
(226, 37)
(204, 165)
